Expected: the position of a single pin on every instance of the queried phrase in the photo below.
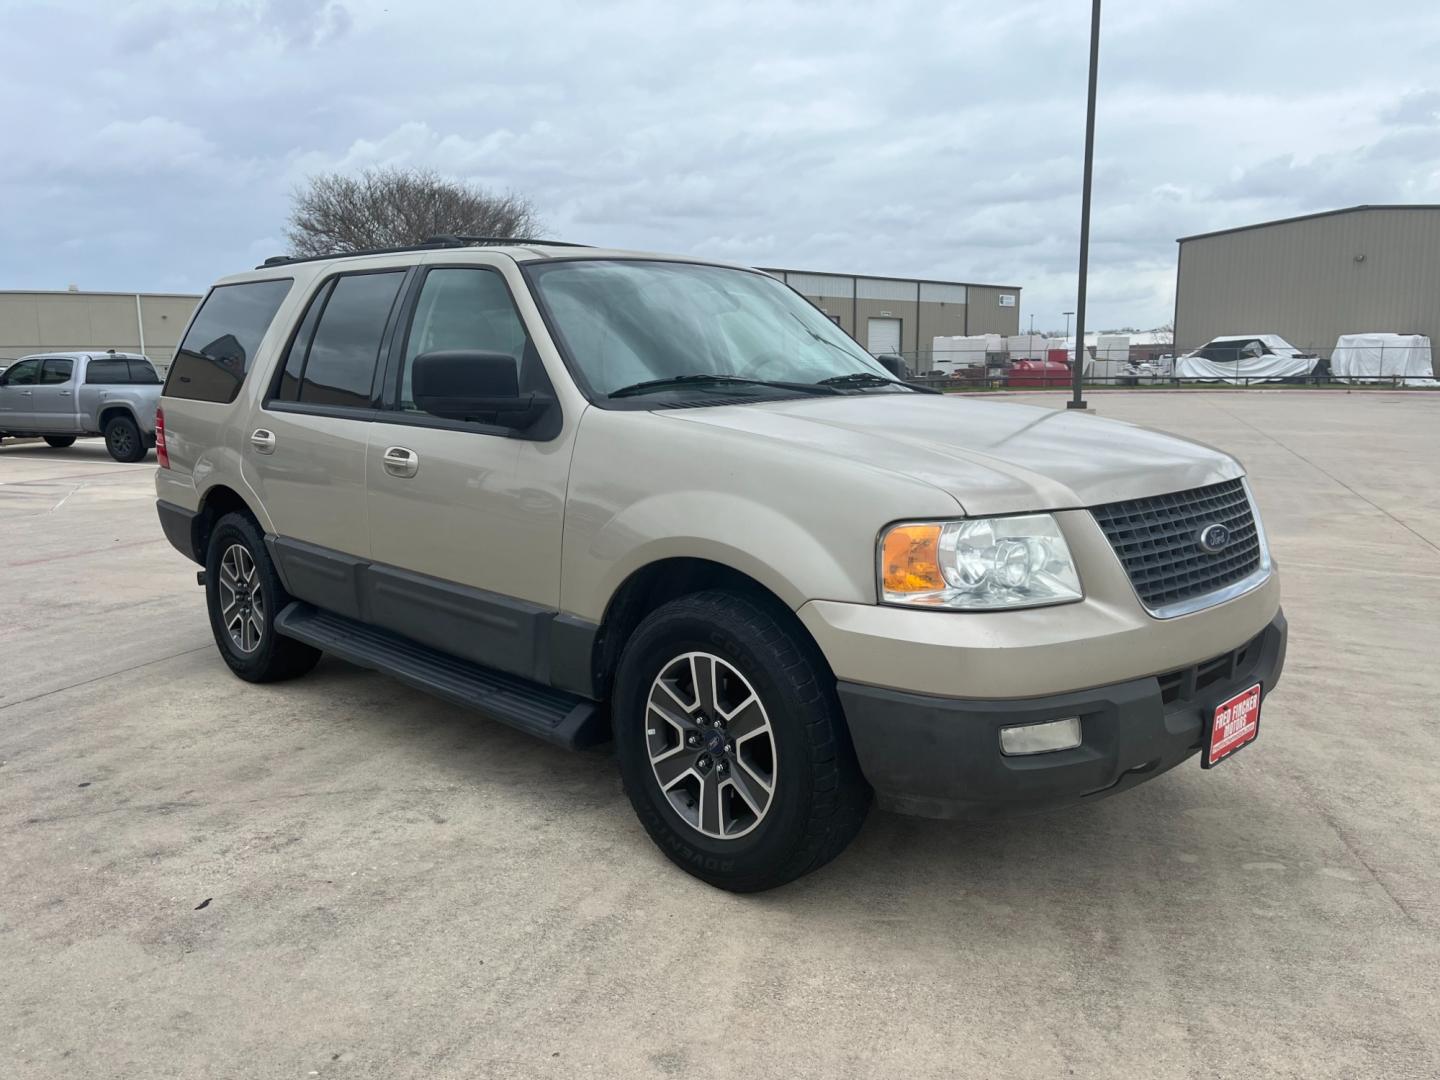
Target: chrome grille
(1157, 540)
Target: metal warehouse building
(150, 323)
(1311, 279)
(903, 315)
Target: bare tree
(394, 207)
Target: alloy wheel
(242, 604)
(711, 745)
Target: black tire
(274, 657)
(60, 441)
(819, 797)
(123, 439)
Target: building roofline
(885, 277)
(97, 292)
(1311, 217)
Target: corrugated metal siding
(986, 316)
(1301, 279)
(829, 286)
(885, 289)
(931, 292)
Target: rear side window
(220, 345)
(107, 372)
(56, 372)
(334, 356)
(142, 372)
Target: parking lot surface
(340, 877)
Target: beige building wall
(988, 315)
(151, 323)
(1312, 279)
(926, 309)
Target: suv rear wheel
(732, 745)
(244, 594)
(123, 439)
(60, 441)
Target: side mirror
(461, 384)
(895, 365)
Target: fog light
(1041, 738)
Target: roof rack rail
(460, 240)
(429, 244)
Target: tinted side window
(107, 372)
(300, 347)
(56, 372)
(220, 345)
(340, 366)
(25, 373)
(141, 371)
(462, 309)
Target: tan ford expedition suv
(606, 496)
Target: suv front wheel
(732, 745)
(244, 594)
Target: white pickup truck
(65, 396)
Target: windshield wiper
(857, 379)
(700, 379)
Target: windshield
(628, 321)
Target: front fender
(752, 537)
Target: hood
(994, 457)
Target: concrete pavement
(339, 877)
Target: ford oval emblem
(1214, 538)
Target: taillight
(161, 454)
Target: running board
(553, 715)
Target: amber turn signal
(910, 560)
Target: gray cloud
(934, 140)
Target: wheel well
(110, 412)
(659, 583)
(218, 502)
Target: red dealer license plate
(1233, 724)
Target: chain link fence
(1398, 367)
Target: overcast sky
(153, 146)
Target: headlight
(978, 564)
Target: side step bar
(553, 715)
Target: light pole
(1067, 315)
(1032, 323)
(1077, 400)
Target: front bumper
(940, 757)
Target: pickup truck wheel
(732, 744)
(123, 439)
(244, 594)
(60, 441)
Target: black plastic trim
(940, 757)
(327, 578)
(475, 625)
(572, 655)
(483, 627)
(178, 525)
